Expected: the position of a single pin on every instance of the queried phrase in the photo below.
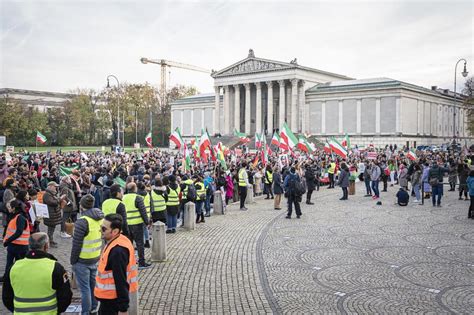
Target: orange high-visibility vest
(11, 229)
(104, 281)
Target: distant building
(256, 94)
(40, 100)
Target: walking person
(277, 188)
(243, 184)
(37, 284)
(137, 220)
(85, 252)
(470, 186)
(343, 181)
(117, 276)
(294, 198)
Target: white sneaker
(416, 201)
(65, 235)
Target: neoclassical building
(256, 94)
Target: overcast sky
(63, 45)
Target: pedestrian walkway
(340, 257)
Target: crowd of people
(118, 196)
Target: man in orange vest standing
(117, 274)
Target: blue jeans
(199, 204)
(437, 191)
(171, 221)
(85, 278)
(146, 234)
(207, 204)
(375, 187)
(367, 186)
(416, 188)
(14, 253)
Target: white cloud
(61, 45)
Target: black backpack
(297, 187)
(192, 193)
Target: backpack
(297, 187)
(192, 193)
(434, 180)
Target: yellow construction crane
(168, 63)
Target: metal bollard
(190, 216)
(134, 308)
(218, 205)
(249, 198)
(158, 247)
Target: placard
(371, 155)
(3, 140)
(41, 210)
(10, 149)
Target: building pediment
(251, 64)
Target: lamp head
(144, 60)
(464, 72)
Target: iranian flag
(412, 155)
(148, 140)
(338, 148)
(186, 158)
(276, 139)
(242, 137)
(205, 142)
(175, 136)
(304, 145)
(258, 140)
(346, 142)
(40, 137)
(287, 137)
(265, 155)
(327, 147)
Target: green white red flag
(148, 140)
(346, 142)
(304, 145)
(242, 137)
(204, 142)
(287, 137)
(412, 155)
(258, 140)
(175, 136)
(186, 158)
(40, 137)
(338, 148)
(276, 139)
(327, 147)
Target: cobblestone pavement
(340, 257)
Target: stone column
(258, 112)
(247, 108)
(302, 105)
(237, 107)
(294, 105)
(158, 249)
(282, 103)
(216, 110)
(225, 127)
(270, 107)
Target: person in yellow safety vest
(37, 284)
(147, 201)
(172, 204)
(159, 197)
(200, 199)
(85, 252)
(184, 186)
(331, 171)
(115, 205)
(243, 184)
(117, 274)
(16, 235)
(137, 220)
(268, 181)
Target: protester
(294, 197)
(277, 188)
(52, 200)
(310, 182)
(470, 185)
(343, 181)
(402, 197)
(243, 184)
(173, 191)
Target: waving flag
(412, 155)
(258, 140)
(40, 137)
(304, 145)
(148, 140)
(346, 142)
(327, 147)
(276, 139)
(288, 137)
(337, 148)
(176, 138)
(242, 137)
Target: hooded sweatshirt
(81, 229)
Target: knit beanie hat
(87, 202)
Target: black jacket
(118, 262)
(310, 179)
(60, 283)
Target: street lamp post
(464, 74)
(118, 108)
